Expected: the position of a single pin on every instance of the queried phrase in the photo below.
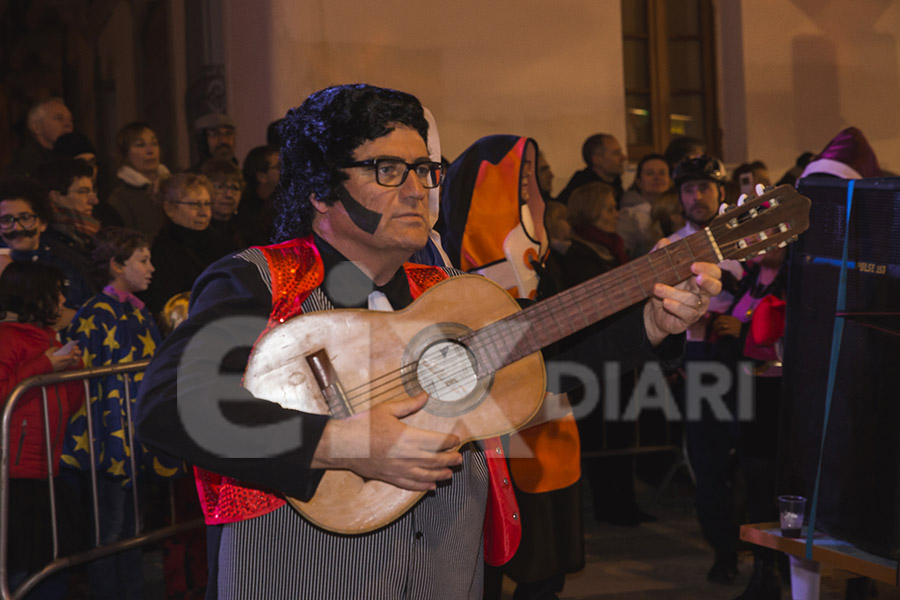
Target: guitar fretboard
(510, 339)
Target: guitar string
(495, 336)
(464, 366)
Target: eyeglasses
(234, 187)
(9, 221)
(392, 172)
(220, 132)
(195, 206)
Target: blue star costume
(114, 328)
(110, 332)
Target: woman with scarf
(139, 173)
(114, 327)
(72, 225)
(597, 248)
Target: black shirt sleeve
(192, 405)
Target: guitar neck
(504, 342)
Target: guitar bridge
(329, 384)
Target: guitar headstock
(774, 219)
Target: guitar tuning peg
(784, 244)
(741, 199)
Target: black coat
(179, 255)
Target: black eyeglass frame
(435, 170)
(9, 221)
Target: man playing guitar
(353, 208)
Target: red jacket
(22, 348)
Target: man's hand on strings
(672, 310)
(376, 444)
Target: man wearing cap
(700, 184)
(215, 137)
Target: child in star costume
(113, 327)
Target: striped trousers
(434, 551)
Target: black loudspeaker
(859, 492)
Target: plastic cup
(790, 511)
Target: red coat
(22, 348)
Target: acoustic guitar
(467, 343)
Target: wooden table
(826, 550)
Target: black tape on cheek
(362, 217)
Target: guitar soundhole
(445, 369)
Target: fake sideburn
(362, 217)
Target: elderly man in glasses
(25, 213)
(353, 208)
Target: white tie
(378, 301)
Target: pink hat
(848, 155)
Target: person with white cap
(215, 136)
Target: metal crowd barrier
(58, 563)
